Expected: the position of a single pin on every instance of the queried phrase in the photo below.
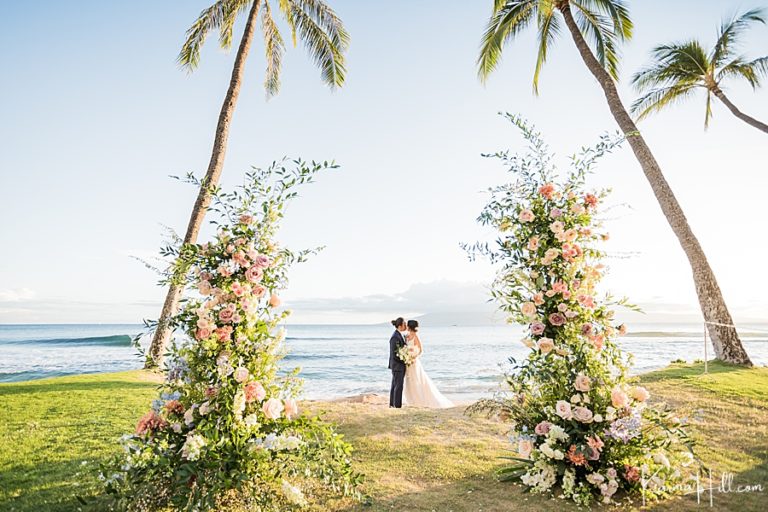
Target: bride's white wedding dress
(420, 391)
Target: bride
(419, 390)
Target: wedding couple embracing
(409, 380)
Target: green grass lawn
(54, 433)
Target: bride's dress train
(420, 391)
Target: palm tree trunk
(738, 113)
(725, 339)
(211, 180)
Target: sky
(96, 115)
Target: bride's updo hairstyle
(397, 322)
(413, 325)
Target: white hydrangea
(541, 477)
(294, 494)
(192, 446)
(556, 433)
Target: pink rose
(526, 216)
(254, 274)
(586, 329)
(223, 270)
(240, 258)
(563, 409)
(537, 328)
(557, 319)
(546, 345)
(242, 374)
(586, 300)
(559, 286)
(562, 307)
(274, 300)
(291, 408)
(248, 305)
(619, 398)
(203, 333)
(582, 383)
(542, 428)
(555, 213)
(640, 394)
(582, 414)
(528, 309)
(262, 261)
(246, 219)
(254, 392)
(272, 408)
(259, 291)
(238, 289)
(597, 341)
(226, 314)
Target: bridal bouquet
(579, 424)
(225, 431)
(408, 353)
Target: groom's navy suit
(398, 370)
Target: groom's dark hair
(397, 322)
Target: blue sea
(343, 360)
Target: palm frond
(230, 10)
(675, 63)
(599, 31)
(321, 45)
(209, 19)
(286, 7)
(752, 71)
(549, 29)
(658, 98)
(274, 47)
(327, 20)
(617, 11)
(508, 19)
(730, 32)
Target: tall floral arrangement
(578, 423)
(226, 429)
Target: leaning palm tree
(324, 36)
(680, 69)
(602, 25)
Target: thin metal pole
(706, 369)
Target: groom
(396, 364)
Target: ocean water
(342, 360)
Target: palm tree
(680, 69)
(324, 36)
(604, 24)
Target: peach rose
(238, 289)
(640, 394)
(557, 226)
(274, 301)
(622, 330)
(291, 408)
(547, 190)
(242, 374)
(204, 287)
(528, 309)
(546, 345)
(203, 333)
(254, 392)
(272, 408)
(619, 398)
(526, 216)
(533, 243)
(538, 299)
(524, 448)
(582, 383)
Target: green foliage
(576, 420)
(316, 24)
(226, 427)
(680, 69)
(603, 23)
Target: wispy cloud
(17, 295)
